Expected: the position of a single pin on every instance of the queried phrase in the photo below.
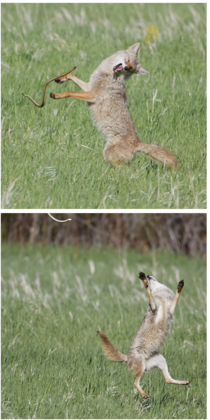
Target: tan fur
(110, 351)
(106, 96)
(143, 353)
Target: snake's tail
(34, 102)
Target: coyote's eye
(128, 65)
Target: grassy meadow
(52, 157)
(53, 301)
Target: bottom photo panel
(103, 315)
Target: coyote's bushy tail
(158, 153)
(110, 351)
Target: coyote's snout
(143, 353)
(106, 97)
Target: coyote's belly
(147, 341)
(110, 111)
(152, 332)
(112, 118)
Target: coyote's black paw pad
(142, 276)
(180, 286)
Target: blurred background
(180, 233)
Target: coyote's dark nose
(151, 278)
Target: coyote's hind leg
(159, 361)
(149, 294)
(138, 376)
(137, 386)
(176, 298)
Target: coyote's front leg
(83, 96)
(149, 294)
(86, 95)
(82, 85)
(176, 298)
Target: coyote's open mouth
(118, 67)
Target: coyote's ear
(141, 70)
(134, 48)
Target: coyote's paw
(59, 81)
(180, 286)
(142, 276)
(53, 95)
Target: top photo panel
(130, 129)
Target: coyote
(106, 97)
(143, 353)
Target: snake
(45, 86)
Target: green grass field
(53, 301)
(52, 157)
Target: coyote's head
(152, 283)
(127, 62)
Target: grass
(52, 157)
(53, 301)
